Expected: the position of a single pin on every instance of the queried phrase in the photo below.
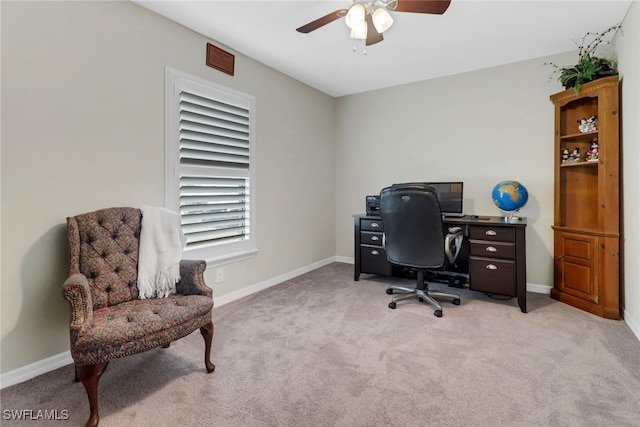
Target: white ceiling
(470, 35)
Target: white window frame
(175, 82)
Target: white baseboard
(32, 370)
(43, 366)
(531, 287)
(227, 298)
(632, 323)
(539, 289)
(344, 260)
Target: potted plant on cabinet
(589, 67)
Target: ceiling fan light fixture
(359, 31)
(368, 19)
(382, 20)
(355, 16)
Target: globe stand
(510, 216)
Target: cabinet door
(576, 265)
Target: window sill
(229, 258)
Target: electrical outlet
(220, 275)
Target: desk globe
(509, 197)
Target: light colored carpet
(323, 350)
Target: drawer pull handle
(490, 249)
(374, 252)
(374, 225)
(375, 238)
(490, 233)
(491, 267)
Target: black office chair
(414, 238)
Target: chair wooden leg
(90, 375)
(207, 334)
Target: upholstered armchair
(107, 319)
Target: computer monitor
(450, 196)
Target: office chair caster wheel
(392, 305)
(421, 299)
(456, 301)
(437, 313)
(389, 291)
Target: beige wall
(480, 127)
(627, 45)
(83, 129)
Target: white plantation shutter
(214, 210)
(213, 133)
(209, 143)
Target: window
(209, 167)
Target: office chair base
(423, 295)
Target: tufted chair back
(104, 247)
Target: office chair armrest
(453, 243)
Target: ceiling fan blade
(314, 25)
(373, 36)
(436, 7)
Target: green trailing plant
(589, 66)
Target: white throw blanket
(161, 244)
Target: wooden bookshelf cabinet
(587, 199)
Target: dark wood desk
(493, 255)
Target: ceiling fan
(368, 19)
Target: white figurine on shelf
(583, 126)
(592, 154)
(575, 155)
(592, 124)
(565, 155)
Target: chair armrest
(453, 243)
(192, 278)
(77, 292)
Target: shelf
(574, 164)
(579, 136)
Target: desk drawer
(501, 234)
(369, 238)
(492, 275)
(371, 225)
(492, 249)
(373, 259)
